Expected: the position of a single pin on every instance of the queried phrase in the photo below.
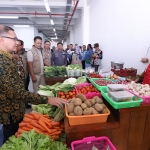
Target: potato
(81, 96)
(87, 102)
(70, 108)
(98, 107)
(78, 111)
(87, 111)
(77, 101)
(104, 106)
(71, 114)
(93, 111)
(83, 106)
(72, 100)
(98, 100)
(104, 111)
(92, 101)
(69, 100)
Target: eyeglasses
(15, 38)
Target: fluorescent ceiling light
(56, 37)
(9, 17)
(52, 22)
(47, 6)
(54, 29)
(24, 26)
(55, 34)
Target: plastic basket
(90, 94)
(146, 99)
(92, 80)
(86, 119)
(101, 143)
(136, 101)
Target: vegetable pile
(94, 75)
(82, 106)
(74, 67)
(103, 82)
(45, 109)
(139, 89)
(67, 95)
(113, 77)
(32, 141)
(40, 124)
(86, 89)
(55, 71)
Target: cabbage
(46, 93)
(70, 81)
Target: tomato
(74, 90)
(59, 93)
(70, 93)
(66, 93)
(63, 97)
(73, 96)
(67, 96)
(74, 93)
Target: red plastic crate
(101, 143)
(90, 94)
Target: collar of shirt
(6, 54)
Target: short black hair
(84, 45)
(46, 41)
(21, 42)
(37, 37)
(71, 44)
(5, 30)
(59, 43)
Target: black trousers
(96, 67)
(10, 129)
(83, 64)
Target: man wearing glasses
(13, 95)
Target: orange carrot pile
(40, 124)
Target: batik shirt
(13, 96)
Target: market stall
(106, 111)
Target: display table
(128, 129)
(54, 80)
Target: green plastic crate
(136, 101)
(92, 80)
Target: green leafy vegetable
(74, 67)
(32, 141)
(45, 109)
(55, 71)
(81, 80)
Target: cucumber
(59, 114)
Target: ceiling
(64, 13)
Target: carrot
(46, 116)
(30, 126)
(42, 124)
(53, 130)
(36, 116)
(26, 128)
(56, 127)
(28, 116)
(55, 123)
(56, 133)
(56, 137)
(22, 124)
(37, 130)
(49, 126)
(21, 130)
(33, 123)
(27, 120)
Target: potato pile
(82, 106)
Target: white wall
(122, 28)
(26, 35)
